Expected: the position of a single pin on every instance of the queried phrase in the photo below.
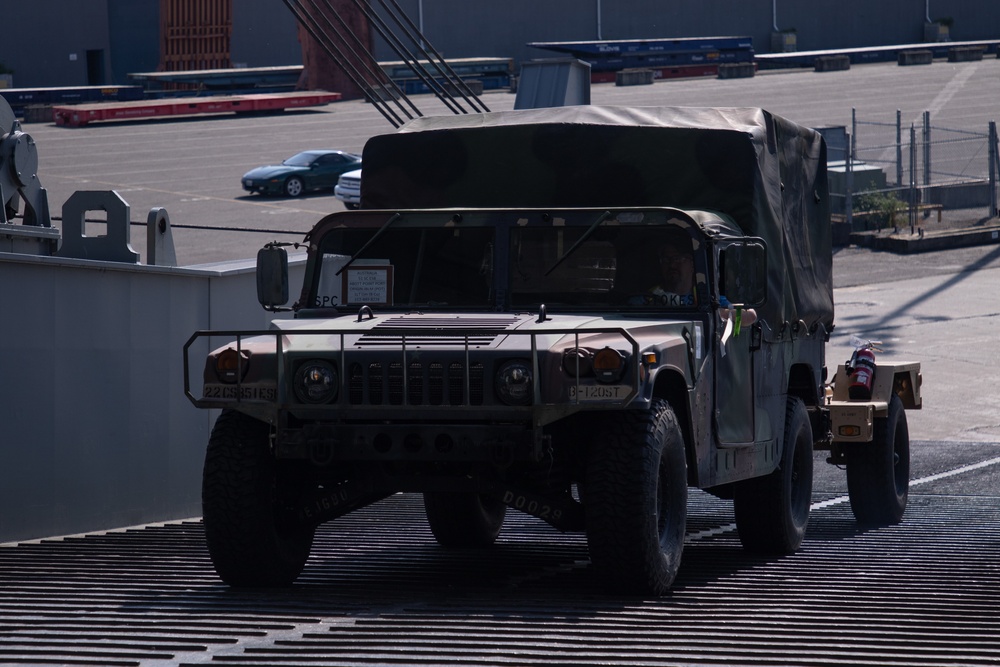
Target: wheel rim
(294, 187)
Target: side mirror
(272, 277)
(743, 273)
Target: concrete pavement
(949, 323)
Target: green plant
(5, 70)
(881, 208)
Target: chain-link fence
(895, 174)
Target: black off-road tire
(636, 500)
(878, 473)
(772, 511)
(295, 187)
(464, 520)
(240, 495)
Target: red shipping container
(195, 34)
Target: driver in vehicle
(675, 285)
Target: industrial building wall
(264, 34)
(41, 37)
(134, 33)
(46, 42)
(459, 28)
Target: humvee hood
(765, 172)
(452, 329)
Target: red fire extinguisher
(861, 370)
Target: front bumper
(493, 444)
(347, 195)
(263, 188)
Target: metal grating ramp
(378, 591)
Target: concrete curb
(906, 243)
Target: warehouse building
(101, 42)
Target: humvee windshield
(607, 267)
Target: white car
(348, 189)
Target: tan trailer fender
(853, 420)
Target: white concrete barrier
(95, 430)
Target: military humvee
(493, 330)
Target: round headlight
(609, 365)
(513, 383)
(577, 361)
(316, 382)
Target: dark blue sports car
(305, 172)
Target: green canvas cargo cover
(766, 173)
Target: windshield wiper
(586, 235)
(370, 241)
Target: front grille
(436, 375)
(433, 383)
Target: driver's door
(734, 388)
(741, 277)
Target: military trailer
(576, 313)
